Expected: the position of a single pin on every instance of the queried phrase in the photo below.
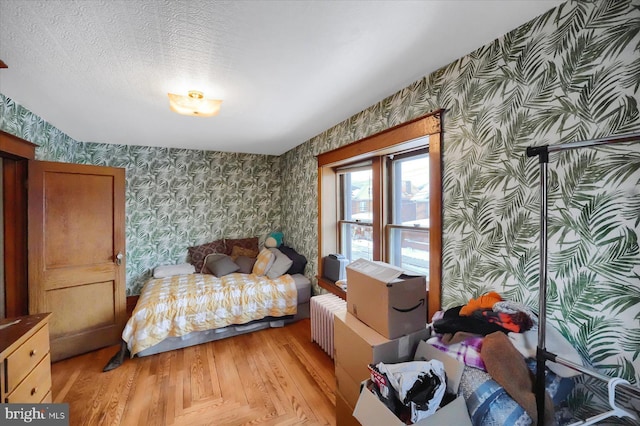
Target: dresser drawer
(35, 387)
(26, 357)
(47, 399)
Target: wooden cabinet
(25, 373)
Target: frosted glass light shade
(194, 104)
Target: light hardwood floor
(275, 376)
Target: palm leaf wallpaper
(570, 74)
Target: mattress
(303, 286)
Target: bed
(225, 298)
(185, 310)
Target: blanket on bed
(178, 305)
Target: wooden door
(76, 237)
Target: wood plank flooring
(275, 376)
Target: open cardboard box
(385, 298)
(370, 411)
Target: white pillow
(170, 270)
(280, 265)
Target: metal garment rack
(542, 355)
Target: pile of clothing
(486, 314)
(498, 336)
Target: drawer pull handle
(33, 391)
(32, 353)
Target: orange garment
(486, 301)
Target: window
(356, 215)
(407, 232)
(380, 199)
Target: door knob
(119, 257)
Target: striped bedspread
(178, 305)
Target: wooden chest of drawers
(25, 373)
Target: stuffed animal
(274, 240)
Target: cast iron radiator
(322, 308)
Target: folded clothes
(452, 322)
(511, 307)
(486, 301)
(517, 322)
(466, 351)
(457, 337)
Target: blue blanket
(489, 404)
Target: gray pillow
(280, 265)
(245, 263)
(221, 266)
(210, 260)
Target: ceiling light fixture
(194, 104)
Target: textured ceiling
(100, 70)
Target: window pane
(356, 194)
(410, 183)
(410, 250)
(356, 241)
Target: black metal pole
(542, 297)
(543, 156)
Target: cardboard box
(370, 411)
(344, 412)
(347, 386)
(387, 300)
(356, 345)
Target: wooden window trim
(403, 137)
(383, 142)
